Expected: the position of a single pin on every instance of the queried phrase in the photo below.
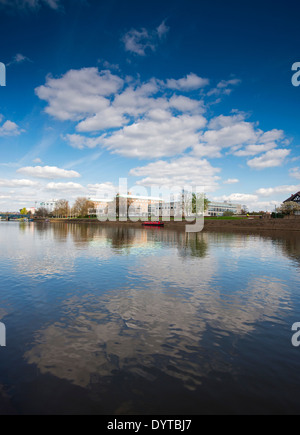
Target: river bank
(247, 225)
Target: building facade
(294, 198)
(219, 208)
(48, 205)
(142, 206)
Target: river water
(104, 319)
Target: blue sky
(163, 93)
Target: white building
(137, 206)
(48, 205)
(218, 208)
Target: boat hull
(153, 224)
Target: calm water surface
(120, 320)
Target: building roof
(293, 197)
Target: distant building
(144, 206)
(219, 208)
(48, 205)
(294, 198)
(141, 206)
(31, 210)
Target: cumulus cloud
(102, 190)
(231, 136)
(141, 41)
(79, 93)
(253, 150)
(238, 197)
(47, 172)
(80, 142)
(286, 189)
(145, 122)
(154, 119)
(178, 172)
(9, 128)
(241, 137)
(156, 138)
(189, 83)
(270, 159)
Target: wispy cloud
(29, 4)
(295, 173)
(18, 58)
(47, 172)
(143, 40)
(231, 181)
(224, 87)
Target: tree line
(62, 208)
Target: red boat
(153, 224)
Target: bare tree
(42, 212)
(61, 208)
(82, 207)
(289, 207)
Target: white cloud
(237, 197)
(231, 136)
(231, 181)
(17, 183)
(80, 142)
(295, 173)
(102, 190)
(162, 29)
(271, 136)
(109, 117)
(79, 93)
(270, 159)
(222, 121)
(65, 187)
(178, 172)
(241, 137)
(18, 58)
(30, 4)
(189, 83)
(153, 138)
(286, 190)
(9, 128)
(141, 41)
(253, 150)
(224, 87)
(152, 119)
(47, 172)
